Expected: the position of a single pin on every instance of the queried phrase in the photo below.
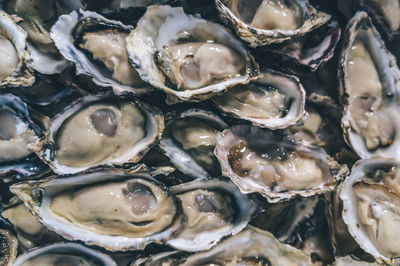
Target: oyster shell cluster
(189, 132)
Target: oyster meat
(370, 82)
(274, 101)
(106, 208)
(275, 165)
(100, 130)
(371, 206)
(189, 142)
(97, 46)
(189, 58)
(213, 209)
(270, 21)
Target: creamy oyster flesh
(197, 137)
(379, 215)
(131, 208)
(8, 57)
(308, 132)
(205, 210)
(109, 46)
(364, 87)
(14, 136)
(54, 259)
(23, 220)
(267, 14)
(99, 133)
(193, 133)
(390, 10)
(199, 64)
(295, 172)
(254, 101)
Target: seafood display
(191, 132)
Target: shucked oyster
(17, 132)
(189, 142)
(274, 101)
(370, 85)
(97, 46)
(37, 18)
(15, 62)
(189, 58)
(270, 21)
(107, 208)
(371, 206)
(274, 165)
(249, 247)
(213, 209)
(100, 130)
(64, 254)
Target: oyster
(15, 67)
(370, 84)
(189, 142)
(274, 101)
(64, 254)
(108, 208)
(213, 209)
(17, 132)
(349, 260)
(188, 58)
(275, 165)
(30, 233)
(36, 21)
(8, 244)
(264, 22)
(371, 206)
(97, 47)
(100, 130)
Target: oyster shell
(15, 67)
(30, 233)
(108, 208)
(189, 142)
(36, 21)
(275, 165)
(371, 206)
(188, 58)
(8, 243)
(100, 130)
(264, 22)
(369, 83)
(17, 132)
(97, 47)
(213, 209)
(64, 254)
(274, 101)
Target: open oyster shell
(369, 81)
(189, 141)
(262, 22)
(108, 208)
(213, 209)
(100, 130)
(273, 101)
(275, 165)
(64, 254)
(36, 21)
(15, 68)
(188, 58)
(17, 131)
(97, 47)
(371, 206)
